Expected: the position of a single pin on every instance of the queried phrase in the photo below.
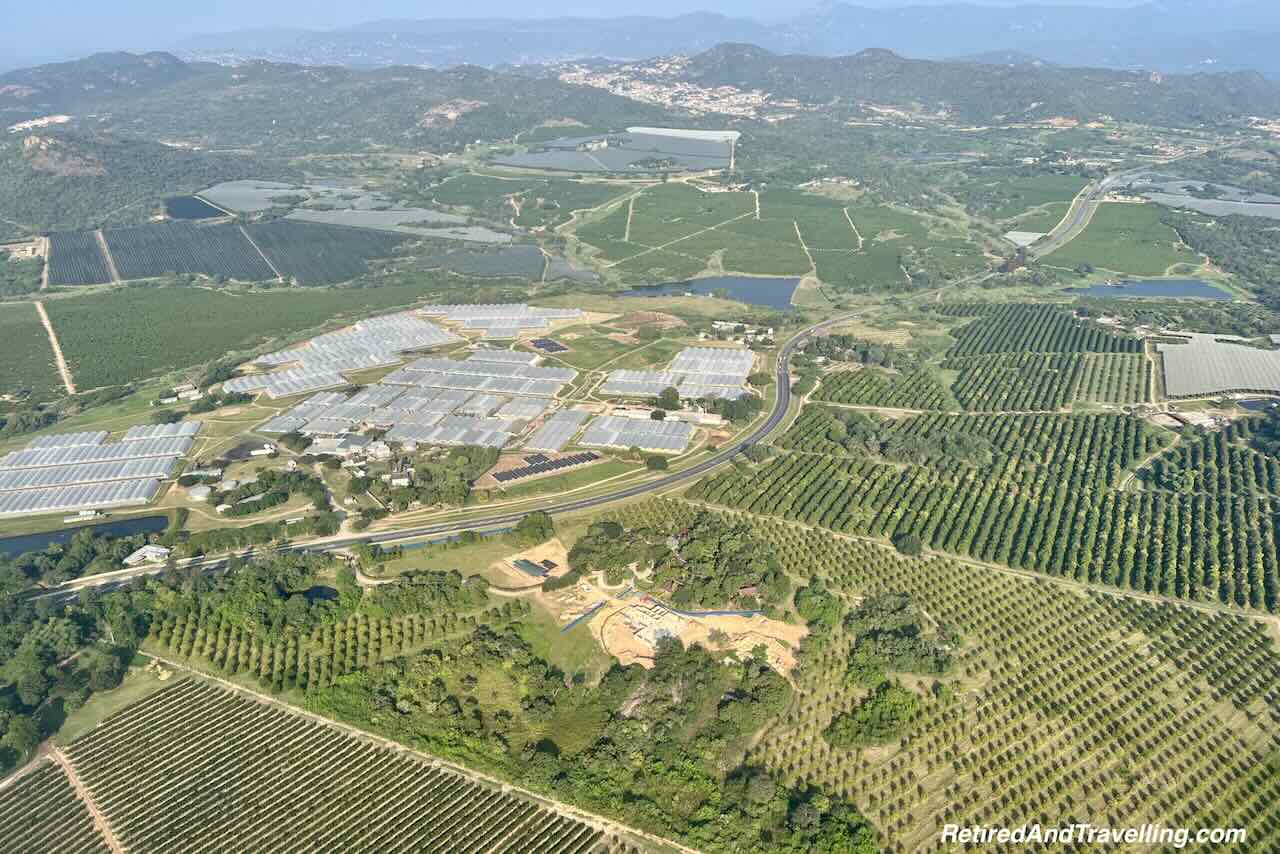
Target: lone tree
(908, 543)
(669, 398)
(533, 529)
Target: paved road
(1085, 205)
(782, 379)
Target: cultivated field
(1126, 238)
(26, 357)
(1062, 702)
(196, 768)
(41, 812)
(1047, 498)
(125, 335)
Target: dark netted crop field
(316, 254)
(147, 251)
(76, 259)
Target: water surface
(13, 546)
(1156, 288)
(769, 292)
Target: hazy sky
(51, 29)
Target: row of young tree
(1030, 328)
(1048, 501)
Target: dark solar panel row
(546, 345)
(549, 465)
(534, 459)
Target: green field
(1018, 194)
(543, 201)
(125, 335)
(1125, 238)
(26, 359)
(1042, 219)
(589, 350)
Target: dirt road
(67, 381)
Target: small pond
(756, 290)
(1155, 288)
(190, 207)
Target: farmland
(137, 332)
(676, 230)
(40, 812)
(1115, 378)
(1172, 717)
(315, 254)
(318, 786)
(1036, 328)
(1029, 491)
(918, 389)
(26, 359)
(543, 202)
(75, 258)
(1126, 238)
(1226, 462)
(1005, 195)
(1015, 382)
(221, 251)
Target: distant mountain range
(1170, 36)
(285, 108)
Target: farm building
(611, 431)
(82, 471)
(1216, 364)
(696, 372)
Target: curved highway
(782, 379)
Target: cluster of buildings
(83, 471)
(655, 82)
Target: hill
(1171, 36)
(285, 109)
(59, 180)
(979, 92)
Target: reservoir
(769, 292)
(1155, 289)
(13, 546)
(190, 207)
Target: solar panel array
(613, 431)
(546, 466)
(697, 372)
(82, 471)
(322, 361)
(549, 345)
(502, 320)
(556, 432)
